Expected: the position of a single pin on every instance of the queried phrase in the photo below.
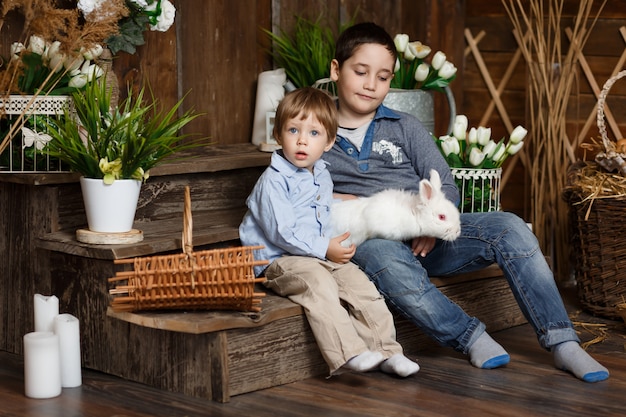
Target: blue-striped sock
(486, 353)
(569, 356)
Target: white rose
(166, 18)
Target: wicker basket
(596, 213)
(219, 279)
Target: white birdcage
(26, 151)
(479, 189)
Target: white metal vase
(420, 104)
(110, 208)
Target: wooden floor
(447, 385)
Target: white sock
(400, 365)
(569, 356)
(486, 353)
(365, 361)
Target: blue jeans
(485, 238)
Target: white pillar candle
(66, 327)
(42, 371)
(46, 309)
(269, 93)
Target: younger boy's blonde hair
(303, 102)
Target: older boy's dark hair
(359, 34)
(302, 102)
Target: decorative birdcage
(23, 135)
(479, 188)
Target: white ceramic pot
(110, 208)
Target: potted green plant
(115, 147)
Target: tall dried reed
(539, 27)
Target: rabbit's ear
(435, 179)
(426, 190)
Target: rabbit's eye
(442, 217)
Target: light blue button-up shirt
(289, 211)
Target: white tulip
(489, 149)
(36, 45)
(78, 81)
(418, 49)
(396, 68)
(476, 157)
(518, 134)
(460, 127)
(484, 134)
(438, 60)
(421, 72)
(498, 152)
(472, 136)
(93, 72)
(408, 54)
(73, 62)
(514, 148)
(16, 48)
(57, 61)
(450, 144)
(447, 70)
(401, 41)
(51, 50)
(93, 52)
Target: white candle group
(52, 352)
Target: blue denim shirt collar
(382, 112)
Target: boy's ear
(334, 70)
(330, 144)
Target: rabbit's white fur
(398, 215)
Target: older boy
(378, 148)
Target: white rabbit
(398, 215)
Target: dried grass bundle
(552, 73)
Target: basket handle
(187, 239)
(608, 146)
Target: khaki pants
(343, 307)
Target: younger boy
(288, 213)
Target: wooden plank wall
(217, 49)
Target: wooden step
(252, 351)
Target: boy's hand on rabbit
(422, 245)
(338, 253)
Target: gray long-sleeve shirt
(397, 152)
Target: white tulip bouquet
(413, 72)
(477, 150)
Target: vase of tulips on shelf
(476, 162)
(416, 77)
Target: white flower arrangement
(413, 72)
